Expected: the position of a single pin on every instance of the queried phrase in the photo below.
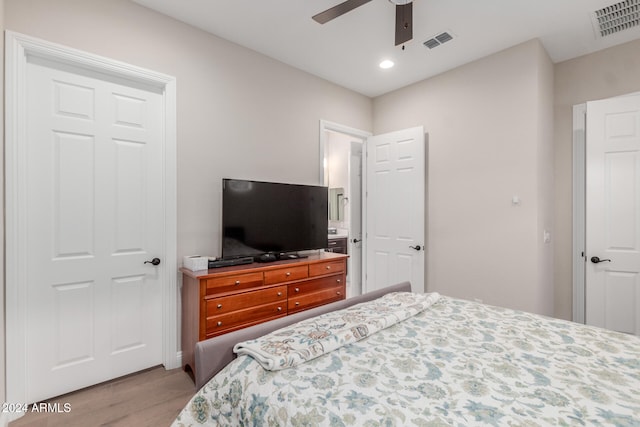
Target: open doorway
(341, 156)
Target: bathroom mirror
(336, 204)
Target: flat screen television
(272, 218)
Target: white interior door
(395, 209)
(613, 214)
(95, 214)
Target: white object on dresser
(195, 262)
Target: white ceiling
(348, 49)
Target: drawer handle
(338, 293)
(338, 280)
(237, 282)
(219, 305)
(279, 308)
(279, 294)
(219, 323)
(297, 289)
(297, 303)
(288, 273)
(328, 267)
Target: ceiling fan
(404, 16)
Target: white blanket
(314, 337)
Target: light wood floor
(149, 398)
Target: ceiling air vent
(617, 17)
(439, 39)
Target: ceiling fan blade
(335, 11)
(404, 23)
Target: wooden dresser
(222, 300)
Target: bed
(396, 358)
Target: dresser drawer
(224, 305)
(303, 288)
(234, 283)
(323, 268)
(321, 297)
(333, 243)
(338, 245)
(245, 317)
(286, 274)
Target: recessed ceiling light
(386, 64)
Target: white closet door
(94, 216)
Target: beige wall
(611, 72)
(489, 126)
(545, 176)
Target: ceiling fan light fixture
(386, 64)
(404, 16)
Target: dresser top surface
(248, 268)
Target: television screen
(267, 217)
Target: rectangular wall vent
(439, 39)
(617, 17)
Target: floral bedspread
(456, 363)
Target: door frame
(362, 135)
(18, 47)
(579, 211)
